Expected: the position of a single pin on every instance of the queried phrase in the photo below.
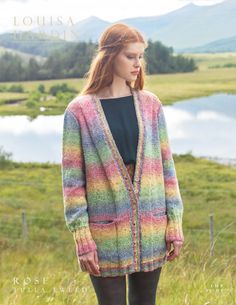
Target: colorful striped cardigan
(127, 223)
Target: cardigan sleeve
(173, 198)
(74, 185)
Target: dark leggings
(142, 287)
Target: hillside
(218, 46)
(24, 56)
(32, 43)
(183, 28)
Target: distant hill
(191, 26)
(187, 27)
(32, 43)
(84, 30)
(25, 56)
(218, 46)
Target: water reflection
(205, 126)
(37, 140)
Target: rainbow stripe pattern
(127, 222)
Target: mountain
(187, 27)
(24, 56)
(218, 46)
(32, 43)
(84, 30)
(90, 28)
(191, 26)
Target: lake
(203, 126)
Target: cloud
(18, 1)
(200, 2)
(21, 1)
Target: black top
(121, 117)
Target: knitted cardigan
(127, 223)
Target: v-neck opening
(115, 98)
(112, 143)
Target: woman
(121, 195)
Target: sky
(22, 14)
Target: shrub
(41, 88)
(16, 88)
(3, 88)
(5, 158)
(64, 97)
(31, 104)
(61, 88)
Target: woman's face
(129, 60)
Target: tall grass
(43, 269)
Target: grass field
(168, 87)
(207, 61)
(48, 252)
(40, 267)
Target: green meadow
(213, 76)
(38, 261)
(39, 264)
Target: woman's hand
(89, 262)
(176, 251)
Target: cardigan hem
(144, 267)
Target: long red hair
(111, 42)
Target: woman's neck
(111, 92)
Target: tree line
(74, 62)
